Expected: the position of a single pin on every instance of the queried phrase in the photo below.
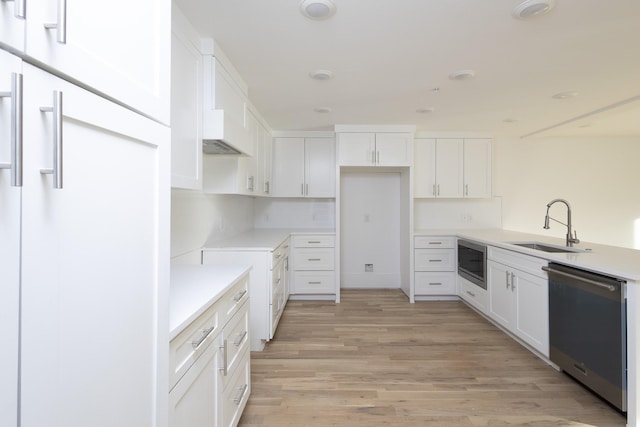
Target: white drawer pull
(435, 284)
(314, 283)
(224, 368)
(240, 338)
(435, 260)
(239, 295)
(313, 259)
(241, 391)
(471, 293)
(205, 334)
(313, 241)
(435, 243)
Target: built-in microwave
(472, 262)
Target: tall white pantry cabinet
(84, 213)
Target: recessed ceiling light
(434, 89)
(317, 9)
(531, 8)
(322, 110)
(425, 110)
(565, 95)
(321, 75)
(462, 75)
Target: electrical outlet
(368, 268)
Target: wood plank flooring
(377, 360)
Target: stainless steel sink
(545, 247)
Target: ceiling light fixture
(317, 9)
(565, 95)
(510, 120)
(532, 8)
(462, 75)
(322, 110)
(321, 75)
(425, 110)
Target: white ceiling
(388, 56)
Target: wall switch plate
(368, 268)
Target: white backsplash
(457, 213)
(294, 213)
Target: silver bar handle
(435, 243)
(506, 278)
(306, 189)
(313, 259)
(61, 25)
(435, 260)
(314, 241)
(373, 157)
(266, 187)
(205, 334)
(513, 281)
(438, 189)
(224, 368)
(241, 391)
(16, 96)
(20, 8)
(466, 189)
(57, 140)
(314, 283)
(582, 279)
(302, 189)
(239, 295)
(240, 338)
(435, 283)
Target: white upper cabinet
(117, 48)
(452, 168)
(477, 168)
(375, 149)
(304, 167)
(186, 107)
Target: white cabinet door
(266, 145)
(501, 294)
(194, 401)
(120, 48)
(186, 112)
(320, 167)
(9, 249)
(12, 24)
(394, 149)
(449, 158)
(477, 168)
(424, 172)
(532, 308)
(94, 272)
(288, 167)
(356, 149)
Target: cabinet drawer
(234, 343)
(318, 241)
(434, 242)
(236, 393)
(315, 282)
(233, 299)
(473, 294)
(435, 260)
(185, 348)
(523, 262)
(280, 253)
(435, 283)
(314, 259)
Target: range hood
(224, 118)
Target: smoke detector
(321, 75)
(531, 8)
(462, 75)
(317, 9)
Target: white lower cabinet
(210, 364)
(474, 294)
(434, 265)
(313, 265)
(269, 285)
(519, 296)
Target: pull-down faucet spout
(571, 237)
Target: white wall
(370, 229)
(195, 217)
(457, 213)
(598, 176)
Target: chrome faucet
(571, 237)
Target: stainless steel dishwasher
(587, 330)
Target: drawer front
(236, 393)
(528, 263)
(234, 298)
(434, 242)
(439, 283)
(235, 341)
(185, 348)
(314, 282)
(473, 294)
(314, 259)
(280, 253)
(435, 260)
(317, 241)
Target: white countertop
(260, 239)
(194, 288)
(612, 260)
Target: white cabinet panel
(288, 167)
(375, 149)
(93, 262)
(120, 48)
(435, 260)
(394, 149)
(435, 283)
(9, 250)
(320, 167)
(314, 265)
(13, 24)
(356, 149)
(434, 265)
(477, 168)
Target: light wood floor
(376, 360)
